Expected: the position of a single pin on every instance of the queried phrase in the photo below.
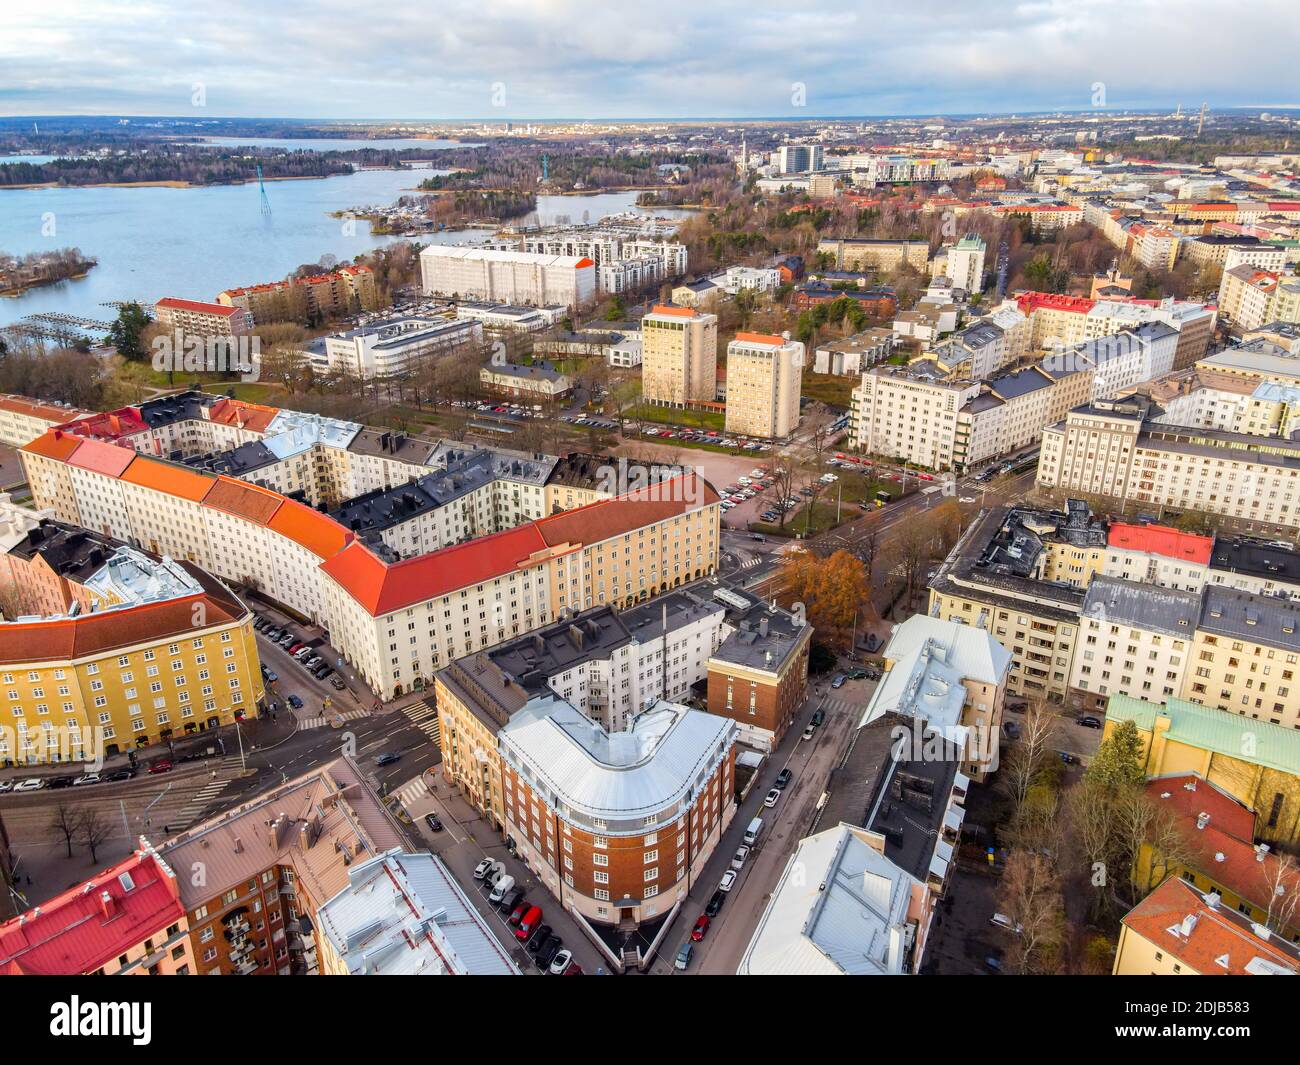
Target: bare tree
(1030, 896)
(1029, 753)
(1282, 882)
(93, 830)
(1090, 809)
(66, 822)
(1151, 840)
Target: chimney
(1261, 852)
(762, 625)
(239, 845)
(1262, 930)
(1202, 819)
(107, 905)
(1213, 899)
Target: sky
(521, 59)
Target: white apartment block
(910, 413)
(507, 276)
(395, 347)
(764, 382)
(679, 356)
(748, 278)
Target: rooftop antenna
(1200, 123)
(261, 188)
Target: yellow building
(679, 356)
(764, 379)
(177, 655)
(1255, 762)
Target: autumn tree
(832, 589)
(1030, 895)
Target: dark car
(322, 671)
(819, 715)
(432, 821)
(783, 778)
(511, 899)
(1089, 722)
(337, 683)
(548, 950)
(120, 774)
(59, 782)
(387, 758)
(715, 904)
(295, 702)
(538, 939)
(1067, 757)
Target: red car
(701, 926)
(160, 766)
(528, 922)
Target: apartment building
(737, 279)
(881, 256)
(126, 920)
(270, 864)
(617, 825)
(193, 318)
(22, 419)
(910, 413)
(1159, 555)
(799, 158)
(165, 650)
(1121, 361)
(393, 347)
(404, 914)
(536, 382)
(1177, 931)
(1262, 567)
(347, 290)
(764, 383)
(952, 677)
(1116, 449)
(965, 264)
(1248, 296)
(849, 356)
(513, 277)
(679, 356)
(1255, 762)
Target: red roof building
(1161, 540)
(127, 918)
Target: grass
(143, 375)
(833, 390)
(683, 416)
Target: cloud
(675, 58)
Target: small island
(19, 273)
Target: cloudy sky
(519, 59)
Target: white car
(560, 962)
(772, 798)
(738, 859)
(89, 778)
(728, 880)
(30, 784)
(483, 868)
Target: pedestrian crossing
(410, 792)
(320, 722)
(424, 717)
(750, 563)
(226, 771)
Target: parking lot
(307, 694)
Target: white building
(394, 347)
(507, 276)
(755, 279)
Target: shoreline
(16, 293)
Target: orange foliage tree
(832, 590)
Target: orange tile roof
(680, 312)
(246, 500)
(318, 533)
(761, 338)
(54, 444)
(383, 587)
(253, 416)
(175, 304)
(1217, 933)
(103, 457)
(169, 477)
(607, 518)
(1161, 540)
(35, 408)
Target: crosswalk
(413, 790)
(320, 722)
(424, 717)
(226, 771)
(750, 563)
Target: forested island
(19, 273)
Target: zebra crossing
(411, 791)
(320, 722)
(227, 770)
(424, 717)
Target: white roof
(665, 755)
(971, 651)
(403, 914)
(840, 908)
(445, 251)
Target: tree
(127, 331)
(1118, 761)
(1090, 810)
(1282, 883)
(1151, 840)
(66, 822)
(1030, 896)
(831, 590)
(1024, 764)
(93, 830)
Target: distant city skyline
(503, 60)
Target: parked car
(387, 758)
(819, 715)
(1067, 757)
(809, 732)
(772, 798)
(738, 859)
(30, 784)
(511, 899)
(271, 676)
(683, 958)
(728, 880)
(1011, 729)
(337, 683)
(1089, 722)
(548, 950)
(483, 868)
(715, 903)
(120, 774)
(540, 935)
(162, 765)
(518, 912)
(295, 702)
(59, 782)
(561, 961)
(783, 777)
(838, 682)
(435, 825)
(701, 928)
(6, 785)
(87, 778)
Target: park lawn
(691, 419)
(819, 517)
(833, 390)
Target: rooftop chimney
(107, 905)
